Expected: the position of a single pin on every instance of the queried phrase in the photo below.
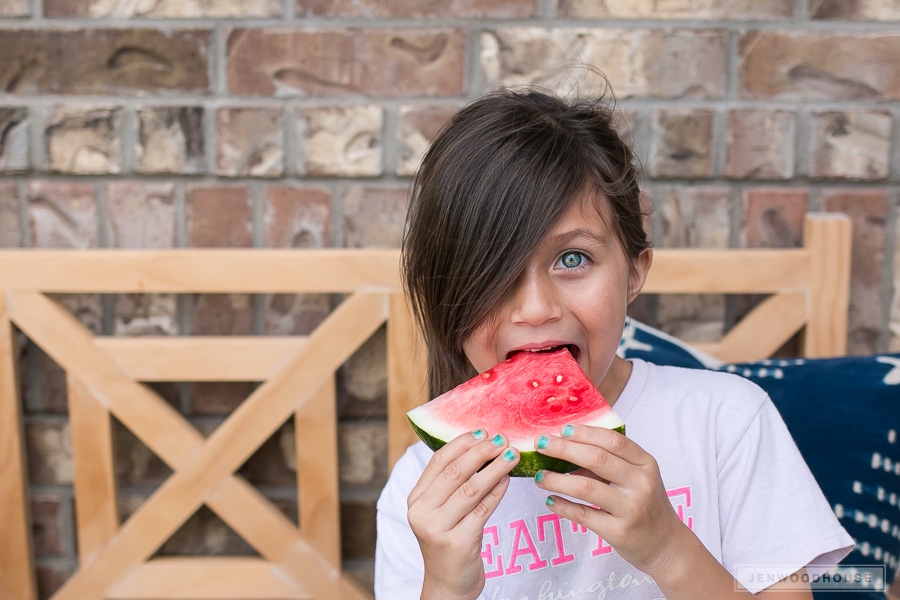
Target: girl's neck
(616, 378)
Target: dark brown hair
(496, 178)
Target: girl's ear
(639, 270)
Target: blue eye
(572, 260)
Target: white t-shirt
(728, 463)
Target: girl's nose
(534, 301)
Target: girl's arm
(627, 505)
(449, 507)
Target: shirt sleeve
(770, 501)
(399, 569)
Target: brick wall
(296, 123)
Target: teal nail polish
(543, 442)
(498, 440)
(509, 455)
(479, 434)
(549, 501)
(568, 431)
(539, 477)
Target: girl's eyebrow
(580, 233)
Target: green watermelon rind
(530, 461)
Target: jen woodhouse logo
(842, 578)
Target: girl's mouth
(574, 350)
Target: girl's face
(574, 293)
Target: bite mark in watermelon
(526, 395)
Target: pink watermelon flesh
(528, 394)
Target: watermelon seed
(559, 378)
(534, 384)
(574, 398)
(486, 375)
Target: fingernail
(539, 477)
(543, 442)
(509, 455)
(549, 501)
(568, 431)
(479, 434)
(498, 440)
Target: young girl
(525, 233)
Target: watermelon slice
(528, 394)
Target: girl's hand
(625, 500)
(449, 507)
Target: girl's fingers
(594, 518)
(454, 486)
(600, 451)
(478, 496)
(444, 458)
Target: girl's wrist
(433, 590)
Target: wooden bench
(808, 291)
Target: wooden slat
(315, 434)
(17, 578)
(229, 446)
(240, 506)
(96, 505)
(201, 358)
(206, 579)
(200, 270)
(407, 376)
(829, 240)
(766, 271)
(763, 330)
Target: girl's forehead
(589, 210)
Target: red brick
(850, 145)
(84, 141)
(181, 9)
(357, 528)
(807, 65)
(51, 576)
(374, 62)
(760, 144)
(46, 525)
(869, 210)
(692, 217)
(13, 139)
(296, 218)
(773, 217)
(342, 141)
(43, 384)
(682, 143)
(217, 398)
(15, 8)
(250, 142)
(135, 463)
(10, 236)
(141, 215)
(103, 61)
(170, 140)
(275, 462)
(660, 63)
(220, 216)
(374, 217)
(364, 380)
(62, 215)
(495, 9)
(677, 9)
(855, 10)
(894, 326)
(48, 446)
(418, 126)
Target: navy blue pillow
(844, 414)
